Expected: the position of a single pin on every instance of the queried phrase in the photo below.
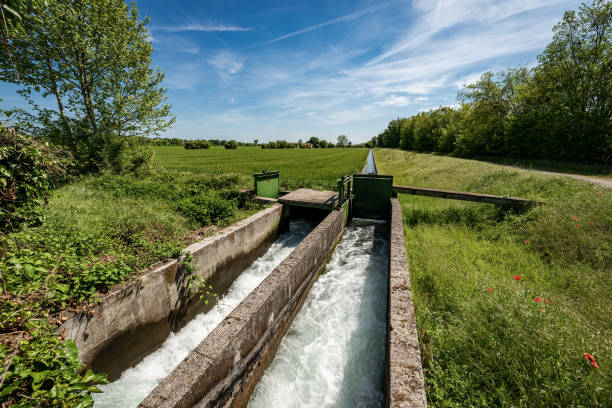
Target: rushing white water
(137, 382)
(333, 354)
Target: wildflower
(518, 255)
(489, 290)
(591, 223)
(591, 360)
(517, 277)
(578, 225)
(537, 299)
(526, 241)
(547, 301)
(574, 218)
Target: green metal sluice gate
(267, 184)
(360, 195)
(371, 194)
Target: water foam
(333, 354)
(137, 382)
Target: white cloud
(438, 15)
(226, 63)
(201, 27)
(337, 20)
(396, 101)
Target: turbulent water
(370, 166)
(333, 354)
(137, 382)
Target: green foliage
(558, 110)
(196, 144)
(231, 144)
(342, 141)
(56, 380)
(99, 74)
(503, 348)
(29, 169)
(206, 209)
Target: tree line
(560, 109)
(314, 142)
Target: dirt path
(602, 182)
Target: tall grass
(503, 347)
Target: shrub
(206, 209)
(196, 144)
(232, 144)
(29, 169)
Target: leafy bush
(207, 209)
(29, 169)
(196, 144)
(55, 381)
(231, 144)
(122, 156)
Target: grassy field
(315, 168)
(488, 339)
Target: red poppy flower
(517, 277)
(526, 241)
(591, 223)
(591, 360)
(489, 290)
(578, 225)
(574, 218)
(537, 299)
(547, 301)
(518, 255)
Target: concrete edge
(158, 299)
(404, 382)
(225, 367)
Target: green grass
(501, 348)
(314, 168)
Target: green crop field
(315, 168)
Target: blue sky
(272, 70)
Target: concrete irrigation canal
(137, 382)
(314, 309)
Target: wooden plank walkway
(305, 197)
(458, 195)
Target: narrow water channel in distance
(137, 382)
(334, 352)
(370, 165)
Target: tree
(94, 59)
(323, 143)
(256, 142)
(342, 141)
(575, 70)
(231, 144)
(314, 141)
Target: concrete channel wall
(132, 321)
(225, 367)
(404, 384)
